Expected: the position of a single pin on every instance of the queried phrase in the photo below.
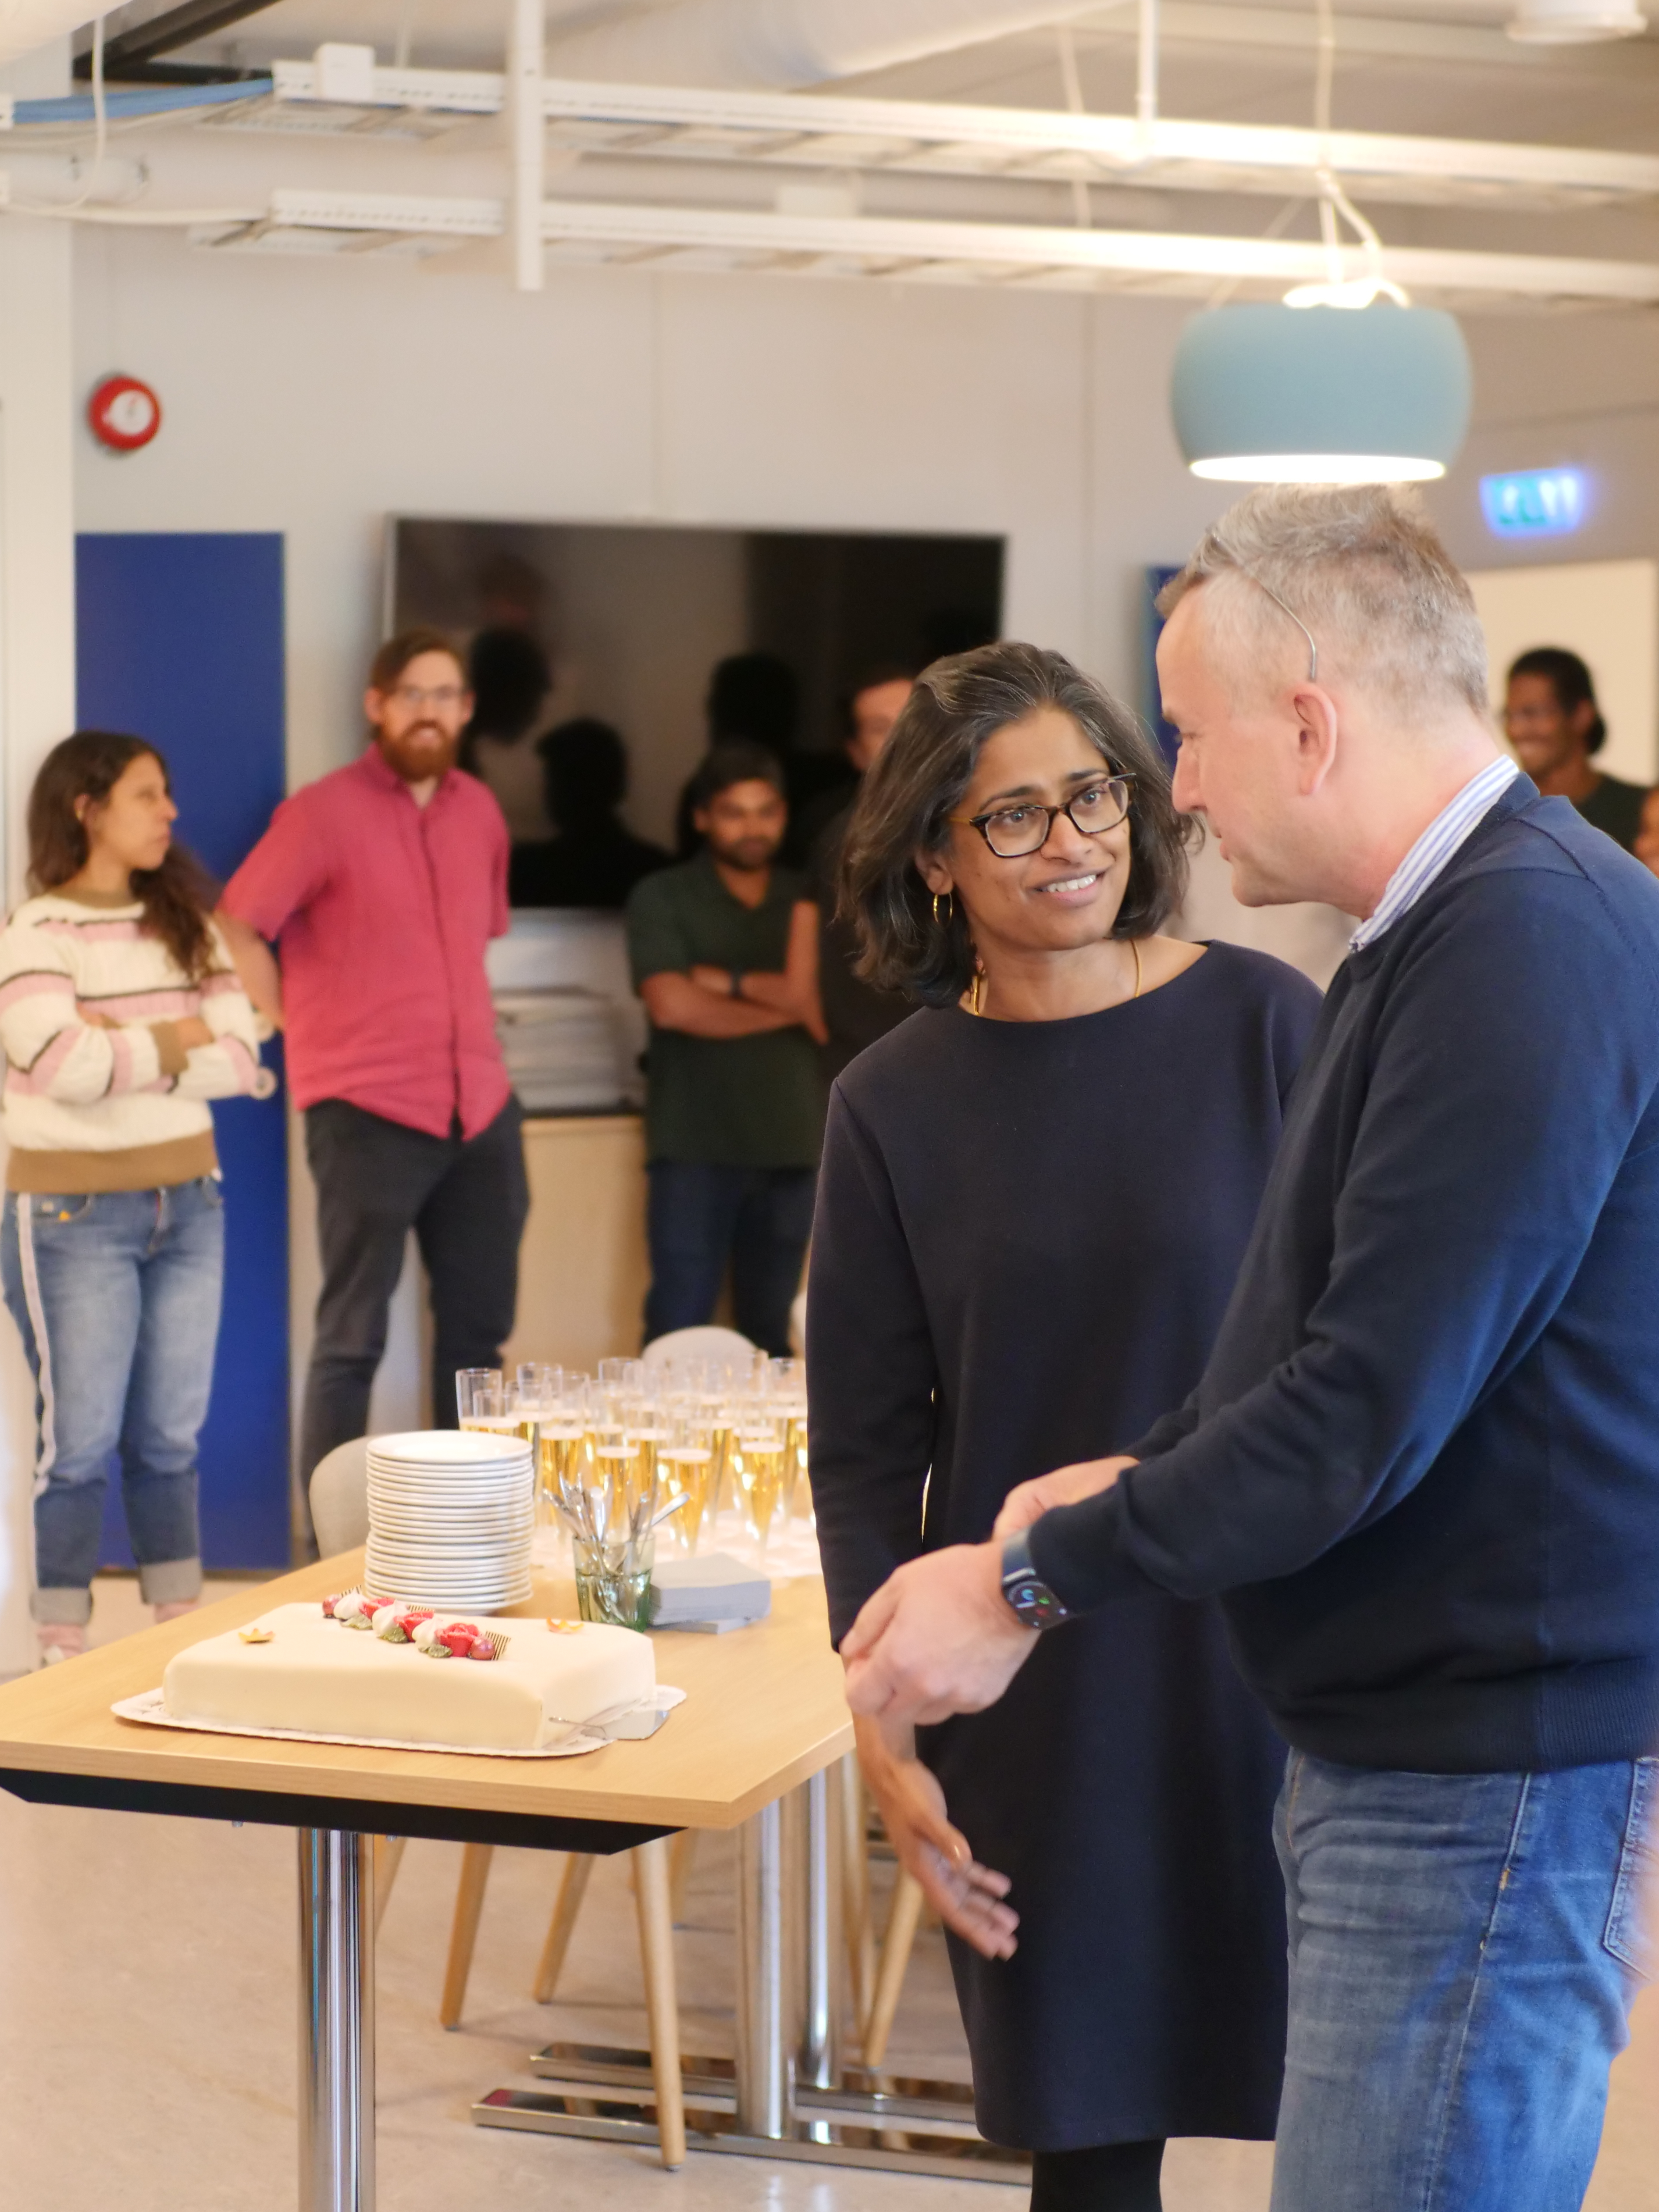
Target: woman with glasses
(1034, 1199)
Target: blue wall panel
(179, 640)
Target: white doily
(149, 1708)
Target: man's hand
(967, 1896)
(937, 1638)
(1029, 1501)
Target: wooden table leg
(661, 1994)
(572, 1889)
(464, 1936)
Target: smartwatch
(1033, 1604)
(737, 982)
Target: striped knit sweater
(87, 1107)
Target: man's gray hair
(1359, 570)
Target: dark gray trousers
(466, 1201)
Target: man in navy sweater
(1422, 1468)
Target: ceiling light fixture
(1332, 387)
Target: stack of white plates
(451, 1514)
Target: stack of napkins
(710, 1595)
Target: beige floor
(147, 2036)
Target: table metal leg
(820, 2051)
(789, 1998)
(337, 2022)
(763, 2058)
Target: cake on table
(402, 1673)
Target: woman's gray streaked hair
(919, 777)
(1361, 566)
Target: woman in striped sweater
(120, 1016)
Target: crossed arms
(700, 1001)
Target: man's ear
(373, 706)
(1318, 735)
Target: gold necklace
(976, 1007)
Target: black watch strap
(1029, 1598)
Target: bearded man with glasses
(380, 886)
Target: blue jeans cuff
(62, 1608)
(170, 1581)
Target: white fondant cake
(319, 1676)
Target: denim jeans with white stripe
(1464, 1949)
(117, 1295)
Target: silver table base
(785, 2096)
(337, 2022)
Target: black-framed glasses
(1012, 832)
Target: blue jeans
(699, 1217)
(1464, 1948)
(117, 1295)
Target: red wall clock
(124, 414)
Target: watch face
(1034, 1602)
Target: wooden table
(763, 1715)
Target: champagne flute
(757, 1458)
(688, 1460)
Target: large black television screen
(630, 622)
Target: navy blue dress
(1026, 1236)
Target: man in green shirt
(724, 953)
(1551, 719)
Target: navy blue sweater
(1422, 1467)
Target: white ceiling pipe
(784, 44)
(26, 24)
(528, 133)
(1575, 22)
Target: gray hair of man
(1359, 571)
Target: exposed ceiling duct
(786, 44)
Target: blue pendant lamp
(1321, 393)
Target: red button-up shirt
(381, 909)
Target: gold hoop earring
(944, 920)
(974, 1006)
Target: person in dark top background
(1551, 719)
(856, 1012)
(723, 950)
(1028, 1222)
(594, 859)
(754, 698)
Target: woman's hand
(967, 1896)
(1029, 1501)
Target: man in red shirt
(380, 886)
